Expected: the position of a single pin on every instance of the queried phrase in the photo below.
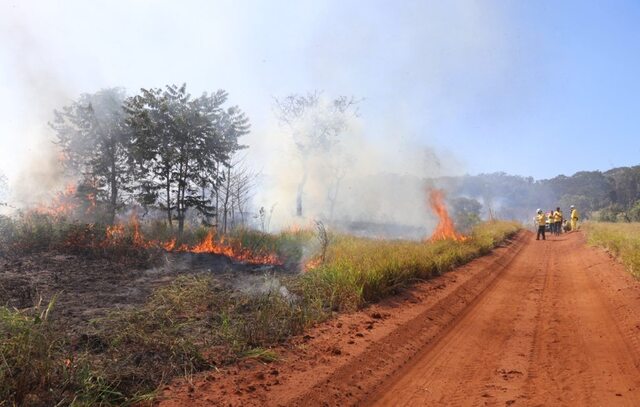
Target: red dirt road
(539, 323)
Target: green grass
(358, 271)
(621, 239)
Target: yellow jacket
(541, 219)
(557, 216)
(574, 214)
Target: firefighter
(574, 218)
(541, 220)
(557, 221)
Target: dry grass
(194, 323)
(621, 239)
(358, 271)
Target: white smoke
(379, 182)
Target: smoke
(30, 158)
(358, 184)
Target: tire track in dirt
(537, 323)
(341, 361)
(549, 332)
(485, 347)
(355, 380)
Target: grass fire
(312, 203)
(445, 228)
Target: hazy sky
(527, 87)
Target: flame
(63, 204)
(91, 198)
(114, 234)
(313, 263)
(445, 228)
(138, 239)
(170, 245)
(117, 233)
(234, 251)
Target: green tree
(95, 141)
(181, 146)
(465, 212)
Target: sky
(534, 88)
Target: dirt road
(540, 323)
(548, 332)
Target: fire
(312, 264)
(91, 198)
(236, 252)
(445, 228)
(115, 233)
(63, 204)
(138, 239)
(170, 245)
(118, 233)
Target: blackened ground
(87, 288)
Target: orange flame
(91, 198)
(170, 245)
(445, 228)
(62, 204)
(234, 251)
(312, 264)
(117, 233)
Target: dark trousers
(558, 227)
(541, 231)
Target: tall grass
(621, 239)
(358, 271)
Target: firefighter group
(555, 222)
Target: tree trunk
(227, 192)
(113, 199)
(113, 184)
(333, 198)
(168, 198)
(301, 185)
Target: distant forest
(612, 196)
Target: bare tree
(236, 193)
(3, 190)
(316, 125)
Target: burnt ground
(87, 288)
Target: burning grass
(622, 239)
(35, 231)
(197, 323)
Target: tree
(236, 193)
(181, 146)
(95, 139)
(465, 212)
(316, 125)
(3, 190)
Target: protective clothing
(574, 218)
(557, 216)
(541, 220)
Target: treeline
(162, 149)
(612, 195)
